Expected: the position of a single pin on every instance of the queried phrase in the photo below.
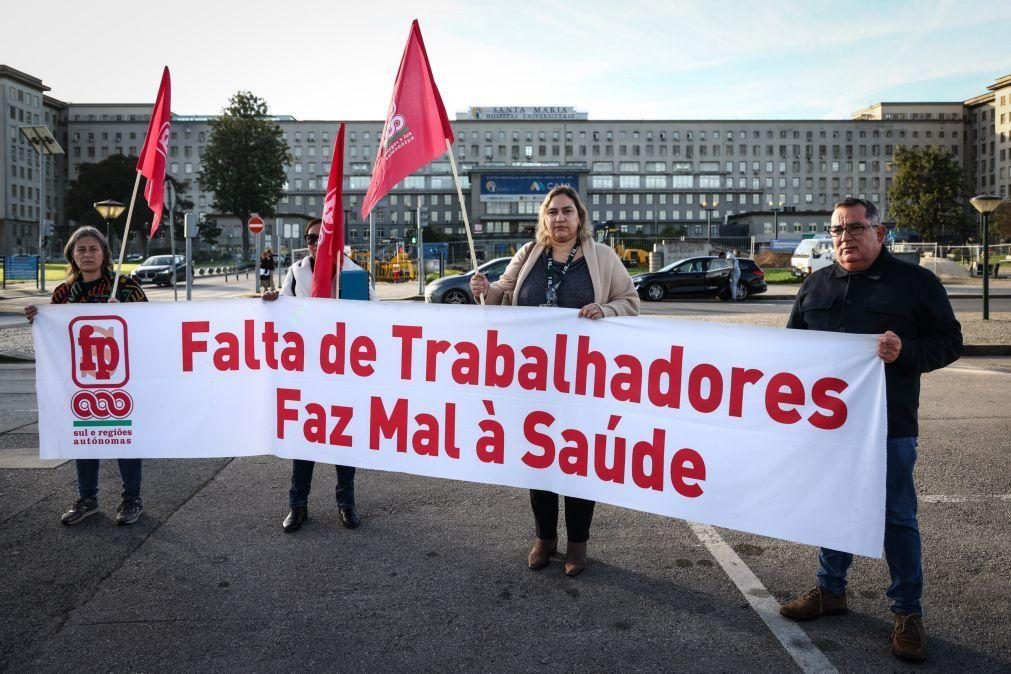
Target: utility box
(354, 284)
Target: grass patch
(780, 275)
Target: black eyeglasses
(312, 239)
(853, 228)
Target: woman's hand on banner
(269, 295)
(30, 312)
(591, 311)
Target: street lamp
(986, 204)
(709, 208)
(42, 140)
(109, 210)
(776, 210)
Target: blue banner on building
(523, 187)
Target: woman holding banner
(89, 280)
(298, 283)
(563, 267)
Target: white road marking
(943, 498)
(793, 639)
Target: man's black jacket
(890, 295)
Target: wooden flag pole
(463, 207)
(126, 236)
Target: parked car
(149, 268)
(134, 257)
(700, 277)
(456, 289)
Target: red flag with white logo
(417, 127)
(330, 253)
(151, 164)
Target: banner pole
(463, 207)
(126, 235)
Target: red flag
(151, 164)
(330, 253)
(417, 127)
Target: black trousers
(301, 483)
(578, 515)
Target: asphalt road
(757, 305)
(436, 577)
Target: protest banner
(775, 432)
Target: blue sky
(632, 59)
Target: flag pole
(463, 207)
(126, 235)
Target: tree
(111, 178)
(1000, 223)
(928, 193)
(244, 161)
(209, 230)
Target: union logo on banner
(99, 352)
(100, 367)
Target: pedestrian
(298, 283)
(735, 275)
(267, 267)
(868, 291)
(563, 267)
(89, 280)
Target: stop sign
(255, 224)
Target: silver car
(456, 289)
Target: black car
(700, 277)
(456, 289)
(149, 270)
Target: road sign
(255, 224)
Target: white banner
(775, 432)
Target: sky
(627, 59)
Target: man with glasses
(298, 283)
(868, 291)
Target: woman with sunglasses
(298, 283)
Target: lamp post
(776, 210)
(42, 140)
(709, 208)
(109, 210)
(986, 204)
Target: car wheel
(655, 292)
(455, 297)
(743, 291)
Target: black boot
(293, 522)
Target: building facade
(646, 177)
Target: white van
(811, 255)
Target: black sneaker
(129, 511)
(81, 509)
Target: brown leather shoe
(909, 641)
(575, 559)
(814, 604)
(541, 553)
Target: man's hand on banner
(889, 346)
(269, 295)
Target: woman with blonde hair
(563, 267)
(89, 280)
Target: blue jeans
(902, 536)
(87, 477)
(301, 483)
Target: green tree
(111, 178)
(244, 161)
(209, 230)
(928, 193)
(1000, 223)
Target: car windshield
(158, 260)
